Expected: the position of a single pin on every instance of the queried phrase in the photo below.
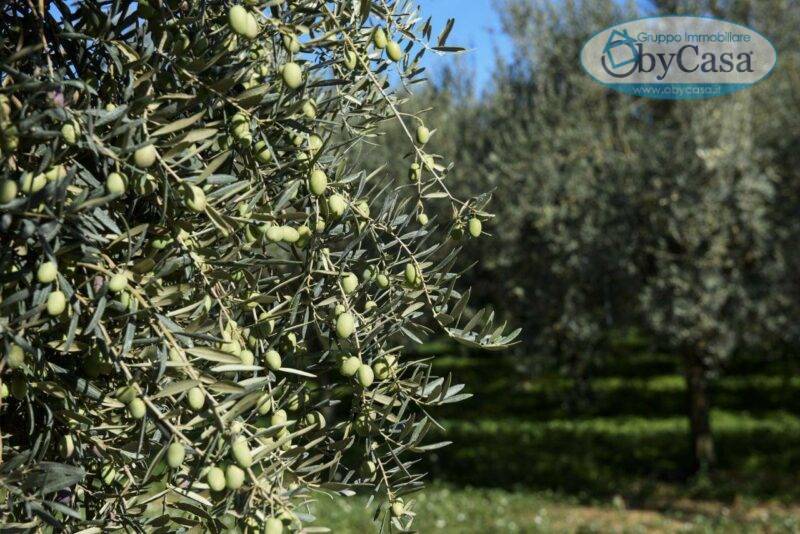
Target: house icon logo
(678, 57)
(620, 54)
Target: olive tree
(667, 206)
(204, 297)
(715, 263)
(655, 214)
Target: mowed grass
(523, 460)
(448, 509)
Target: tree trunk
(699, 407)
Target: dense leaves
(204, 297)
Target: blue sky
(477, 29)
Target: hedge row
(609, 455)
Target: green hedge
(613, 455)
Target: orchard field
(524, 461)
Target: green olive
(137, 408)
(126, 394)
(196, 399)
(310, 109)
(118, 282)
(411, 273)
(384, 366)
(336, 205)
(51, 174)
(350, 59)
(251, 28)
(365, 376)
(47, 272)
(314, 143)
(398, 509)
(475, 227)
(379, 38)
(422, 219)
(240, 127)
(241, 452)
(116, 184)
(146, 184)
(414, 172)
(231, 346)
(345, 325)
(264, 404)
(315, 418)
(56, 303)
(305, 235)
(216, 479)
(295, 400)
(289, 234)
(145, 156)
(234, 477)
(423, 134)
(278, 418)
(368, 469)
(70, 133)
(9, 138)
(56, 173)
(262, 152)
(175, 455)
(8, 191)
(160, 243)
(362, 208)
(394, 51)
(363, 424)
(15, 357)
(349, 283)
(382, 280)
(237, 18)
(292, 75)
(317, 182)
(275, 233)
(247, 357)
(273, 359)
(32, 184)
(349, 366)
(273, 525)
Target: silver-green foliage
(204, 297)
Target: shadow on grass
(630, 456)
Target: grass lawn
(450, 509)
(617, 464)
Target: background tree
(204, 296)
(617, 212)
